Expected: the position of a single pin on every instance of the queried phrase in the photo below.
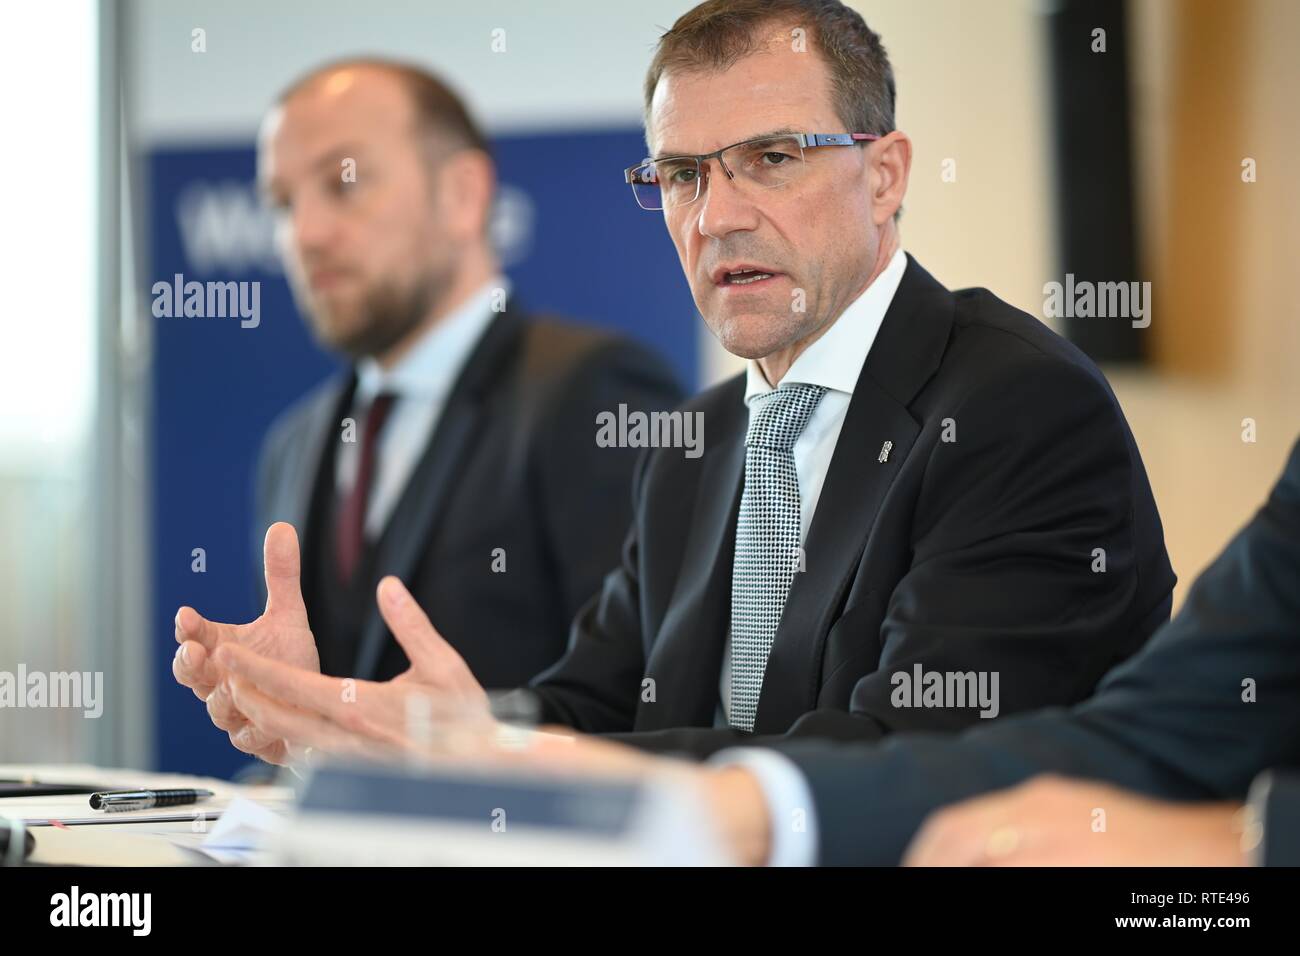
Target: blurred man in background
(457, 451)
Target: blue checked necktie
(767, 539)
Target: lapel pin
(885, 449)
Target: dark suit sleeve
(583, 494)
(1011, 520)
(594, 687)
(1209, 703)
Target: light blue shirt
(421, 379)
(789, 802)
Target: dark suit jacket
(968, 555)
(1172, 721)
(513, 463)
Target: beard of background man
(385, 313)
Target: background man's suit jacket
(1173, 721)
(970, 555)
(512, 464)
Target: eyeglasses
(768, 162)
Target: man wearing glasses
(916, 509)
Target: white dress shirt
(834, 361)
(421, 381)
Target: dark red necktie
(350, 532)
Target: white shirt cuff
(789, 803)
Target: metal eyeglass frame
(805, 140)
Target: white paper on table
(244, 828)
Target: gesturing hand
(339, 715)
(281, 633)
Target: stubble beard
(389, 313)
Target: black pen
(114, 800)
